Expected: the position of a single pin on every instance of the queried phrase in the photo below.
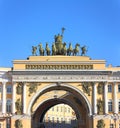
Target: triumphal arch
(58, 74)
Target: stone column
(94, 98)
(24, 98)
(13, 97)
(105, 98)
(115, 99)
(4, 97)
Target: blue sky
(26, 23)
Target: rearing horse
(41, 50)
(47, 49)
(76, 50)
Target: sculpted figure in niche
(18, 106)
(100, 105)
(18, 124)
(19, 88)
(101, 124)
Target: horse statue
(64, 49)
(54, 49)
(84, 50)
(34, 50)
(76, 50)
(41, 50)
(69, 50)
(47, 49)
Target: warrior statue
(58, 43)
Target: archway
(74, 98)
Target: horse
(34, 49)
(54, 50)
(64, 49)
(41, 50)
(47, 49)
(84, 50)
(76, 50)
(69, 50)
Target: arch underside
(74, 99)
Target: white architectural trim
(13, 97)
(115, 98)
(94, 98)
(105, 97)
(4, 97)
(63, 85)
(24, 98)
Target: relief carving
(100, 106)
(100, 124)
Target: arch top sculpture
(59, 48)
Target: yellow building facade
(35, 85)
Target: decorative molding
(32, 87)
(55, 67)
(86, 87)
(57, 78)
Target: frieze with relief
(58, 67)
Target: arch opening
(72, 97)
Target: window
(68, 110)
(8, 106)
(52, 119)
(110, 106)
(111, 126)
(8, 123)
(57, 120)
(9, 89)
(119, 88)
(61, 109)
(0, 106)
(57, 108)
(0, 89)
(52, 108)
(109, 88)
(119, 106)
(119, 125)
